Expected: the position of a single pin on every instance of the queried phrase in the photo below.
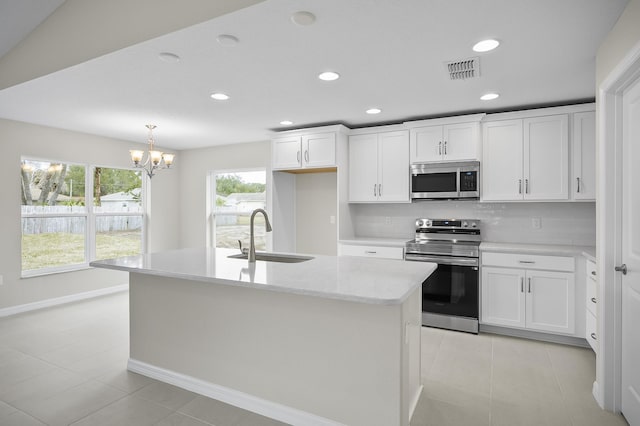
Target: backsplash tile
(562, 223)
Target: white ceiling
(390, 54)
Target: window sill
(52, 271)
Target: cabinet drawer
(529, 261)
(591, 270)
(371, 251)
(591, 297)
(591, 331)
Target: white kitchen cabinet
(382, 252)
(304, 151)
(591, 317)
(527, 298)
(379, 167)
(583, 182)
(449, 142)
(526, 159)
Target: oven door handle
(455, 261)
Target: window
(61, 231)
(236, 194)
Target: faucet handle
(242, 250)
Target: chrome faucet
(252, 244)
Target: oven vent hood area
(445, 181)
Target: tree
(58, 184)
(228, 184)
(27, 198)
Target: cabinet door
(550, 301)
(286, 153)
(583, 182)
(426, 144)
(502, 161)
(460, 141)
(393, 166)
(319, 150)
(546, 154)
(363, 168)
(503, 297)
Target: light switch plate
(536, 223)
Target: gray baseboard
(535, 335)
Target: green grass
(58, 249)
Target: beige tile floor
(67, 365)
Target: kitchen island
(328, 341)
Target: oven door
(452, 289)
(440, 184)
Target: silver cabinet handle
(298, 156)
(370, 252)
(622, 268)
(593, 299)
(306, 156)
(519, 186)
(529, 262)
(529, 279)
(578, 179)
(526, 186)
(374, 190)
(440, 148)
(380, 190)
(593, 336)
(521, 284)
(445, 147)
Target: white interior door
(631, 256)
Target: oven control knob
(465, 224)
(474, 225)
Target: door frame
(607, 389)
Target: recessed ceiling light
(329, 76)
(168, 57)
(303, 18)
(489, 96)
(486, 45)
(286, 122)
(374, 111)
(227, 40)
(219, 96)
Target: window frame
(89, 215)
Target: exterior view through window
(236, 195)
(61, 231)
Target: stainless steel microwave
(454, 180)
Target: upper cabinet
(526, 159)
(583, 182)
(379, 167)
(304, 150)
(445, 140)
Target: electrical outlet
(536, 223)
(332, 220)
(387, 220)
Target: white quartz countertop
(544, 249)
(356, 279)
(374, 241)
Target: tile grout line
(557, 379)
(491, 381)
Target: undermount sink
(273, 257)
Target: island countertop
(365, 280)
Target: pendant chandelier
(155, 160)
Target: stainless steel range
(450, 295)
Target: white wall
(316, 202)
(194, 166)
(21, 139)
(562, 223)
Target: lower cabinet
(383, 252)
(539, 300)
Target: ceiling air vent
(464, 69)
